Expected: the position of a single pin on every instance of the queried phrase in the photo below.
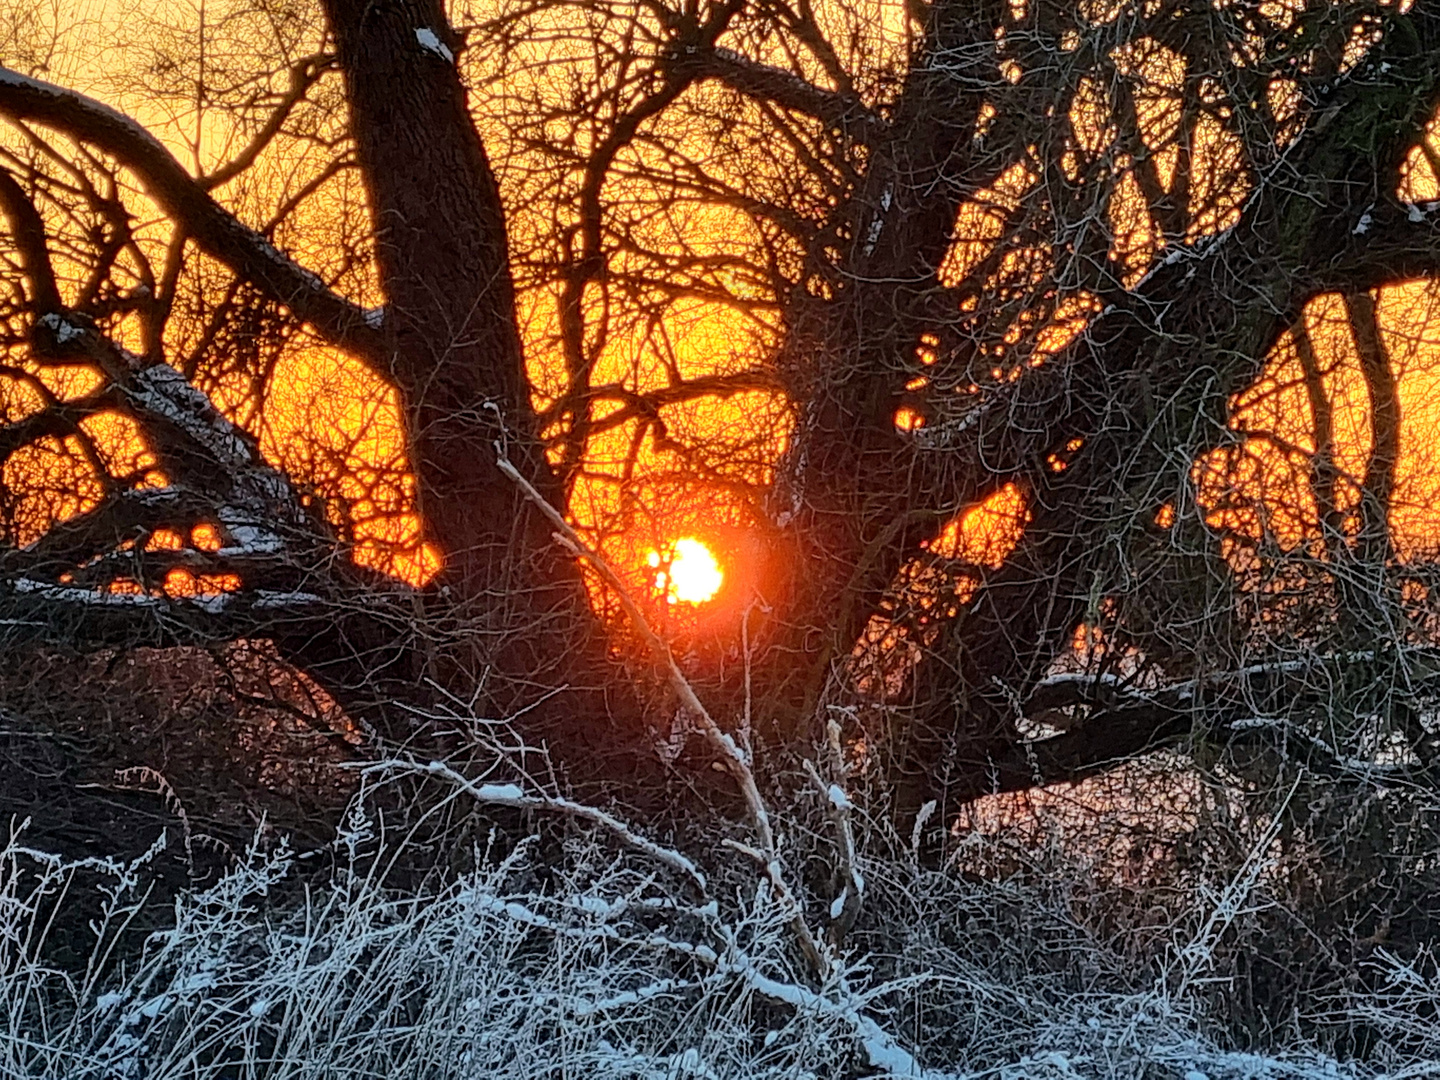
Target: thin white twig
(731, 755)
(512, 796)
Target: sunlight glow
(690, 575)
(338, 428)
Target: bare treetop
(1032, 374)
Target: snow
(873, 236)
(1084, 678)
(73, 595)
(596, 905)
(940, 436)
(64, 331)
(1355, 764)
(1363, 225)
(921, 819)
(837, 906)
(499, 793)
(165, 392)
(629, 997)
(211, 603)
(689, 1064)
(432, 44)
(279, 258)
(512, 795)
(38, 87)
(838, 798)
(884, 1053)
(249, 538)
(269, 598)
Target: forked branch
(735, 760)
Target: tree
(1001, 271)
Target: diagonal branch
(734, 759)
(779, 87)
(511, 795)
(217, 231)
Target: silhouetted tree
(1010, 259)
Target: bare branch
(512, 796)
(845, 112)
(303, 75)
(735, 760)
(211, 226)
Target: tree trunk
(508, 612)
(450, 335)
(449, 323)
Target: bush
(618, 962)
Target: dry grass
(609, 964)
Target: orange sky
(326, 416)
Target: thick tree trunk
(505, 598)
(508, 612)
(449, 323)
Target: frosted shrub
(617, 970)
(615, 979)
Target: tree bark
(505, 598)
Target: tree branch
(218, 232)
(779, 87)
(303, 74)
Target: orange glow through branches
(690, 574)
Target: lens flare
(690, 575)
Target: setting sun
(690, 575)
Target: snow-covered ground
(613, 967)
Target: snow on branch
(511, 795)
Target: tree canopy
(1048, 383)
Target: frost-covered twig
(845, 908)
(512, 796)
(733, 758)
(1198, 953)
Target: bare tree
(1019, 260)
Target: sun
(690, 575)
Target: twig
(512, 796)
(731, 755)
(846, 907)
